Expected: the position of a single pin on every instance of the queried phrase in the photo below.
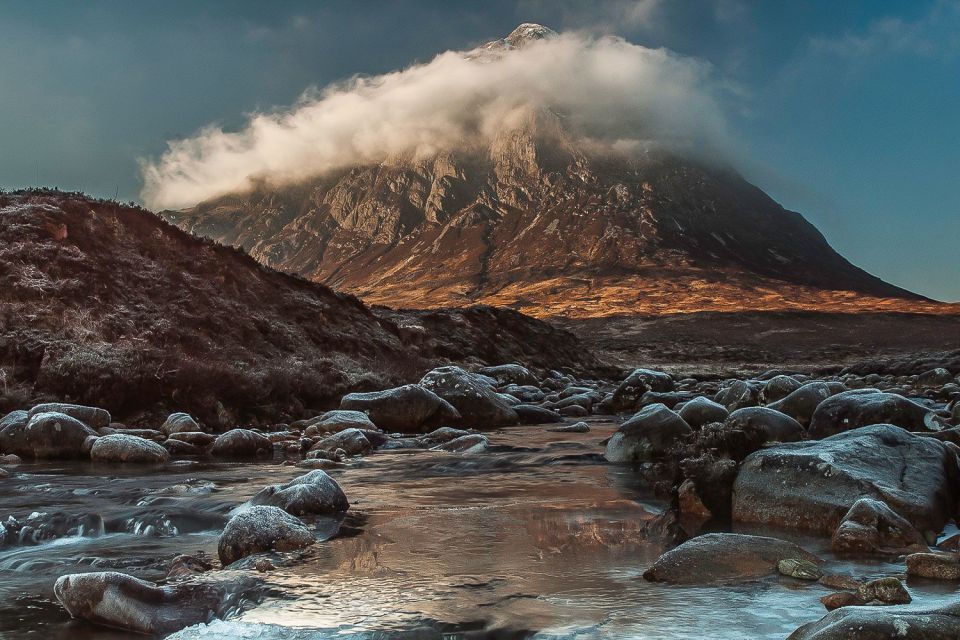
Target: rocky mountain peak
(524, 35)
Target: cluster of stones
(872, 462)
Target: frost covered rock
(259, 529)
(338, 420)
(640, 381)
(47, 435)
(478, 404)
(777, 426)
(406, 408)
(648, 435)
(117, 600)
(315, 493)
(916, 622)
(125, 448)
(701, 411)
(354, 442)
(93, 417)
(241, 443)
(863, 407)
(468, 444)
(801, 403)
(179, 423)
(510, 374)
(812, 485)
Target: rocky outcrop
(812, 485)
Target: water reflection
(537, 537)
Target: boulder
(873, 623)
(441, 435)
(936, 566)
(406, 408)
(737, 395)
(884, 590)
(479, 406)
(574, 411)
(799, 569)
(778, 387)
(510, 374)
(801, 404)
(241, 443)
(636, 384)
(777, 426)
(47, 435)
(338, 420)
(179, 423)
(120, 601)
(125, 448)
(532, 414)
(870, 526)
(935, 378)
(315, 493)
(579, 427)
(812, 485)
(182, 448)
(469, 444)
(863, 407)
(649, 434)
(701, 411)
(93, 417)
(196, 438)
(353, 441)
(262, 528)
(724, 557)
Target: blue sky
(844, 111)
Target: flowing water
(536, 537)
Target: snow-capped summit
(525, 34)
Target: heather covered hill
(108, 305)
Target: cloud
(607, 90)
(934, 34)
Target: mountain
(539, 220)
(109, 305)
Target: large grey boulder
(871, 527)
(640, 381)
(47, 435)
(125, 448)
(863, 407)
(406, 408)
(915, 622)
(738, 394)
(777, 426)
(649, 434)
(93, 417)
(315, 493)
(510, 374)
(262, 528)
(338, 420)
(179, 423)
(701, 411)
(801, 403)
(241, 443)
(123, 602)
(478, 404)
(812, 485)
(724, 557)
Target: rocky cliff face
(545, 222)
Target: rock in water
(469, 444)
(532, 414)
(873, 623)
(479, 406)
(259, 529)
(648, 435)
(884, 590)
(123, 448)
(936, 566)
(863, 407)
(724, 557)
(799, 569)
(870, 526)
(510, 374)
(811, 485)
(124, 602)
(640, 381)
(579, 427)
(338, 420)
(93, 417)
(241, 443)
(315, 493)
(47, 435)
(406, 408)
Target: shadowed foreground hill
(108, 305)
